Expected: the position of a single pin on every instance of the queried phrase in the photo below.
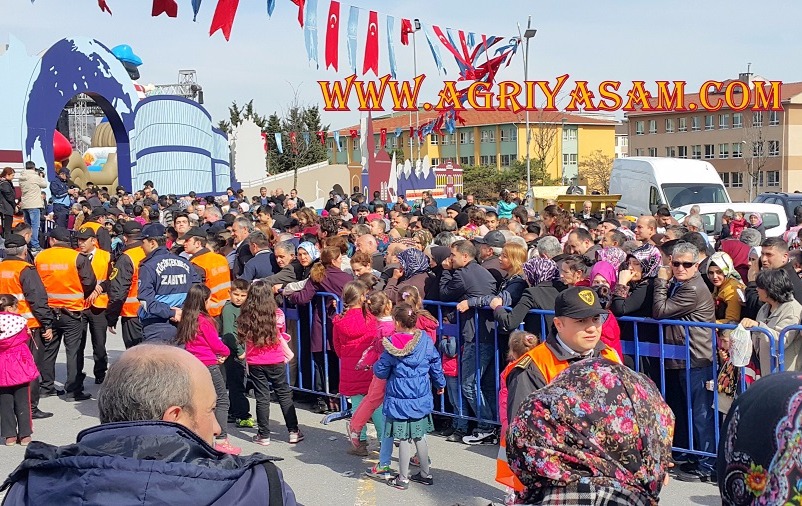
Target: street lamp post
(528, 34)
(416, 27)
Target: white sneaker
(480, 437)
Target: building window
(506, 160)
(736, 150)
(737, 120)
(757, 119)
(573, 159)
(466, 137)
(466, 161)
(569, 134)
(435, 140)
(710, 151)
(774, 148)
(709, 122)
(652, 151)
(488, 136)
(638, 128)
(682, 151)
(723, 120)
(773, 177)
(488, 160)
(435, 162)
(695, 123)
(724, 150)
(696, 151)
(509, 135)
(774, 119)
(652, 126)
(736, 179)
(669, 125)
(682, 125)
(725, 178)
(757, 149)
(671, 152)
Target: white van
(645, 183)
(774, 217)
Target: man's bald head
(367, 243)
(158, 382)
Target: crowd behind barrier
(305, 376)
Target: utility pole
(415, 26)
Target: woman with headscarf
(756, 222)
(728, 288)
(759, 448)
(543, 277)
(613, 255)
(414, 269)
(603, 277)
(598, 434)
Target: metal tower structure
(187, 87)
(81, 112)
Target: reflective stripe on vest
(10, 271)
(218, 279)
(57, 268)
(131, 305)
(100, 265)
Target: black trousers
(239, 407)
(37, 347)
(15, 411)
(61, 214)
(132, 331)
(8, 220)
(263, 376)
(67, 326)
(94, 319)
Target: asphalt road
(320, 471)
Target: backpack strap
(275, 495)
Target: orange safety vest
(10, 271)
(549, 367)
(56, 267)
(100, 265)
(218, 279)
(131, 304)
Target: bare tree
(597, 168)
(755, 151)
(544, 130)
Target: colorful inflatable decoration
(62, 148)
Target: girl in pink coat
(17, 370)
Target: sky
(266, 61)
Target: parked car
(788, 200)
(774, 218)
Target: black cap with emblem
(578, 302)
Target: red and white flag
(383, 137)
(372, 45)
(333, 35)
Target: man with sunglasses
(680, 293)
(575, 335)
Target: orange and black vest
(57, 268)
(131, 304)
(217, 279)
(10, 271)
(100, 265)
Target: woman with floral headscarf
(413, 270)
(599, 433)
(728, 288)
(543, 277)
(612, 254)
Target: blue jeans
(454, 394)
(471, 376)
(703, 421)
(32, 218)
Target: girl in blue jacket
(410, 364)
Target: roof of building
(481, 118)
(787, 92)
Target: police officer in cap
(123, 282)
(19, 278)
(69, 280)
(164, 281)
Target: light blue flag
(278, 143)
(398, 132)
(271, 4)
(471, 40)
(310, 31)
(195, 8)
(337, 140)
(391, 45)
(353, 21)
(435, 49)
(306, 138)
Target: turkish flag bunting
(332, 34)
(353, 133)
(224, 17)
(300, 4)
(372, 45)
(411, 132)
(383, 137)
(104, 7)
(264, 141)
(406, 29)
(169, 7)
(322, 135)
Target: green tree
(486, 182)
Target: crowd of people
(214, 276)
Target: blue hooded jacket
(410, 372)
(140, 463)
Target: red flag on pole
(224, 17)
(406, 29)
(322, 135)
(300, 4)
(264, 141)
(104, 7)
(354, 133)
(332, 34)
(383, 137)
(372, 45)
(411, 132)
(168, 7)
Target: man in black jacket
(241, 229)
(774, 255)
